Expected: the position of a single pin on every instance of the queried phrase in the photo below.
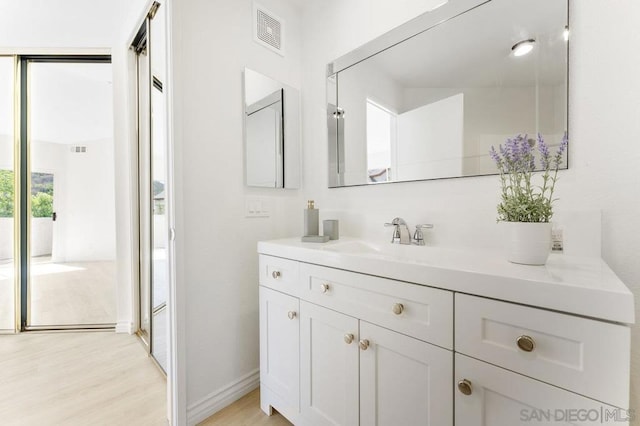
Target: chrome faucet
(401, 234)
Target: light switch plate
(257, 207)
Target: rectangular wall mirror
(430, 98)
(271, 132)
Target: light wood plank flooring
(245, 412)
(63, 293)
(79, 378)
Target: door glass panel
(7, 195)
(159, 165)
(72, 222)
(160, 270)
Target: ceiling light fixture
(523, 47)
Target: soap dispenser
(311, 220)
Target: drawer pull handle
(292, 314)
(464, 386)
(324, 288)
(364, 344)
(398, 308)
(276, 275)
(526, 343)
(348, 338)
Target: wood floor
(63, 293)
(245, 412)
(80, 378)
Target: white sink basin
(353, 247)
(391, 252)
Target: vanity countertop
(577, 285)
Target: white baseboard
(221, 398)
(124, 327)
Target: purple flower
(544, 152)
(495, 156)
(561, 150)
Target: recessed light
(523, 47)
(565, 33)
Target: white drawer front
(279, 274)
(502, 398)
(586, 356)
(417, 311)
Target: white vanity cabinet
(364, 358)
(279, 349)
(329, 368)
(373, 342)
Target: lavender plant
(522, 200)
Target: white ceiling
(64, 23)
(70, 103)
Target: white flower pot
(528, 243)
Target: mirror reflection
(271, 129)
(433, 105)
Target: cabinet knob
(276, 275)
(398, 308)
(292, 314)
(526, 343)
(348, 338)
(324, 287)
(364, 344)
(464, 386)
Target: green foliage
(6, 193)
(41, 182)
(42, 205)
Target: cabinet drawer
(417, 311)
(279, 274)
(586, 356)
(497, 397)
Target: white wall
(604, 111)
(430, 140)
(216, 245)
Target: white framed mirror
(430, 98)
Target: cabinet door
(279, 349)
(329, 366)
(403, 381)
(500, 397)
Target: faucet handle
(418, 237)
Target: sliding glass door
(7, 195)
(153, 190)
(68, 188)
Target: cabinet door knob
(526, 343)
(276, 275)
(364, 344)
(348, 338)
(324, 287)
(464, 386)
(398, 308)
(292, 314)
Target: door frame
(23, 186)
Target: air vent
(78, 149)
(268, 29)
